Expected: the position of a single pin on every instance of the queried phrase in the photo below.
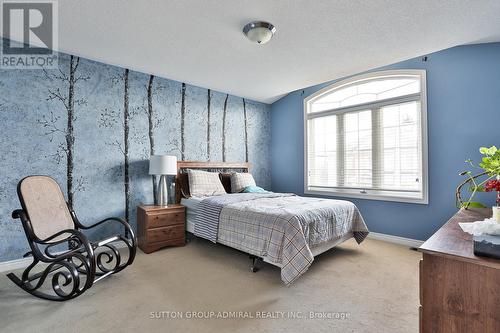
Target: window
(366, 137)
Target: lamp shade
(162, 165)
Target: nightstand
(160, 226)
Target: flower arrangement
(490, 165)
(493, 185)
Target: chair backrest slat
(45, 205)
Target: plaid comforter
(278, 227)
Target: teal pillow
(254, 189)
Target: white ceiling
(200, 41)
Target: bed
(282, 229)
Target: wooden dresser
(160, 226)
(459, 292)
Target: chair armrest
(73, 235)
(18, 213)
(71, 232)
(110, 219)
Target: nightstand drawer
(160, 226)
(165, 219)
(165, 233)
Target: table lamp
(162, 165)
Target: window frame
(383, 195)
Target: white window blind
(366, 138)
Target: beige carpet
(373, 287)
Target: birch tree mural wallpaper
(209, 98)
(120, 121)
(183, 120)
(151, 127)
(126, 129)
(92, 127)
(224, 119)
(246, 129)
(50, 123)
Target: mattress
(191, 205)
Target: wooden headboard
(181, 181)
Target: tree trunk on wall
(209, 98)
(224, 114)
(183, 116)
(246, 129)
(126, 117)
(51, 124)
(70, 134)
(150, 128)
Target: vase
(496, 213)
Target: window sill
(374, 195)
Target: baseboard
(374, 235)
(12, 265)
(396, 239)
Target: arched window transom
(366, 137)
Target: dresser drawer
(160, 226)
(165, 233)
(165, 219)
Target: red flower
(492, 185)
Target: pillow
(225, 179)
(204, 183)
(241, 180)
(254, 189)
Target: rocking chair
(55, 237)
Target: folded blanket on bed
(279, 227)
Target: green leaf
(488, 151)
(473, 204)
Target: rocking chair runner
(49, 224)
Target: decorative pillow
(225, 179)
(241, 180)
(254, 189)
(204, 183)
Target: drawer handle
(170, 218)
(169, 232)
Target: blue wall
(463, 95)
(33, 125)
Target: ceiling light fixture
(259, 32)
